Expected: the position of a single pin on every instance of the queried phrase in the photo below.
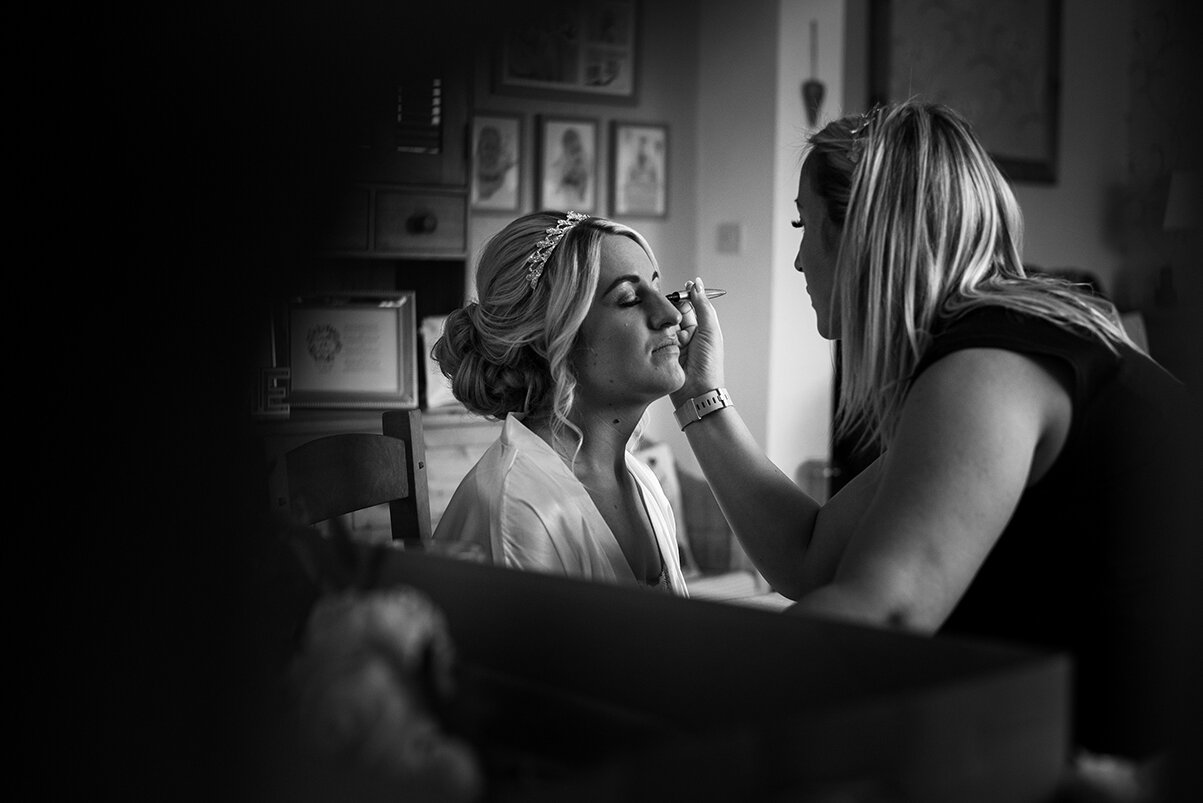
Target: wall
(1072, 223)
(800, 365)
(736, 142)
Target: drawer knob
(422, 223)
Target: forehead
(809, 202)
(621, 256)
(806, 194)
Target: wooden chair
(342, 473)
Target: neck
(607, 431)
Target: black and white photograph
(496, 183)
(623, 401)
(639, 170)
(568, 164)
(573, 50)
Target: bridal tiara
(552, 237)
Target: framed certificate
(353, 351)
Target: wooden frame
(999, 66)
(572, 50)
(495, 184)
(568, 159)
(352, 351)
(639, 170)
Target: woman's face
(627, 350)
(817, 254)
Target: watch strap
(697, 407)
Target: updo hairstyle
(511, 350)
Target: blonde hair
(511, 351)
(928, 229)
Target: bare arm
(977, 427)
(792, 543)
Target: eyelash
(798, 224)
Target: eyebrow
(633, 278)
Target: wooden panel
(812, 710)
(347, 226)
(415, 223)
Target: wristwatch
(693, 409)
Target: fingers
(702, 308)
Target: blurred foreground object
(370, 680)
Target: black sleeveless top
(1086, 561)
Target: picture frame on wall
(568, 164)
(639, 170)
(496, 147)
(999, 67)
(351, 351)
(575, 50)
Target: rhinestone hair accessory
(551, 238)
(859, 132)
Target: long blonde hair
(929, 229)
(512, 350)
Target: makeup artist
(1030, 488)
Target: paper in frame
(496, 179)
(568, 158)
(997, 64)
(574, 50)
(353, 351)
(639, 170)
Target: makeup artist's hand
(701, 345)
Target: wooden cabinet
(391, 220)
(402, 190)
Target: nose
(665, 313)
(798, 261)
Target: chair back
(338, 474)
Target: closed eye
(798, 224)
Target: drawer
(420, 222)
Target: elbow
(870, 605)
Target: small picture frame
(568, 164)
(639, 170)
(352, 351)
(496, 181)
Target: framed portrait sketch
(568, 164)
(583, 50)
(639, 170)
(352, 351)
(997, 64)
(496, 181)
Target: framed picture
(583, 50)
(568, 164)
(998, 64)
(496, 181)
(352, 351)
(639, 170)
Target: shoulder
(1079, 358)
(994, 399)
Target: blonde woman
(1030, 488)
(569, 342)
